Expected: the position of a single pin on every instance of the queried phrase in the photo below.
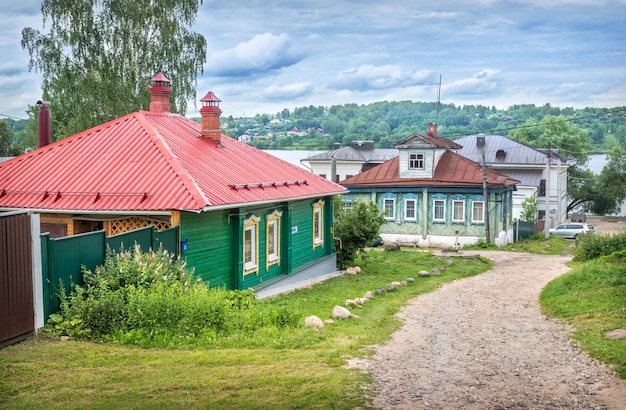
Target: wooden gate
(17, 314)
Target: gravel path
(481, 343)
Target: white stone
(368, 295)
(351, 303)
(314, 322)
(340, 312)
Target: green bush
(150, 300)
(589, 247)
(136, 268)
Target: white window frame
(443, 207)
(454, 203)
(417, 160)
(392, 217)
(273, 224)
(251, 257)
(406, 216)
(318, 224)
(482, 212)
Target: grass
(536, 244)
(592, 298)
(52, 374)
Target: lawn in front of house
(261, 373)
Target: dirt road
(482, 343)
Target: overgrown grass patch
(277, 368)
(592, 298)
(536, 244)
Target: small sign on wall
(294, 229)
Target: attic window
(500, 155)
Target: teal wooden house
(245, 217)
(432, 197)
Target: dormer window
(500, 155)
(416, 161)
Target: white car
(572, 230)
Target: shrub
(590, 247)
(136, 268)
(149, 300)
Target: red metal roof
(148, 161)
(452, 169)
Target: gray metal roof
(502, 150)
(379, 155)
(527, 177)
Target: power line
(12, 117)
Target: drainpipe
(425, 214)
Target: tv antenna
(438, 100)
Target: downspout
(425, 214)
(332, 232)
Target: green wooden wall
(500, 217)
(215, 242)
(210, 246)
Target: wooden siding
(303, 253)
(17, 316)
(210, 246)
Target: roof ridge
(187, 180)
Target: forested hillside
(389, 122)
(383, 122)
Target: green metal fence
(63, 259)
(522, 230)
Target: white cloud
(368, 77)
(287, 92)
(263, 53)
(485, 82)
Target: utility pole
(547, 217)
(480, 143)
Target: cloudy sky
(264, 56)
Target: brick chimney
(210, 113)
(432, 129)
(160, 93)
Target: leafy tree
(7, 147)
(356, 226)
(529, 209)
(571, 141)
(555, 133)
(612, 183)
(98, 56)
(582, 188)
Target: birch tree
(97, 57)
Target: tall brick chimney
(210, 113)
(160, 93)
(432, 129)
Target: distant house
(247, 217)
(349, 161)
(431, 196)
(529, 165)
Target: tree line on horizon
(387, 123)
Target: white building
(528, 165)
(349, 161)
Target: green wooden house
(432, 197)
